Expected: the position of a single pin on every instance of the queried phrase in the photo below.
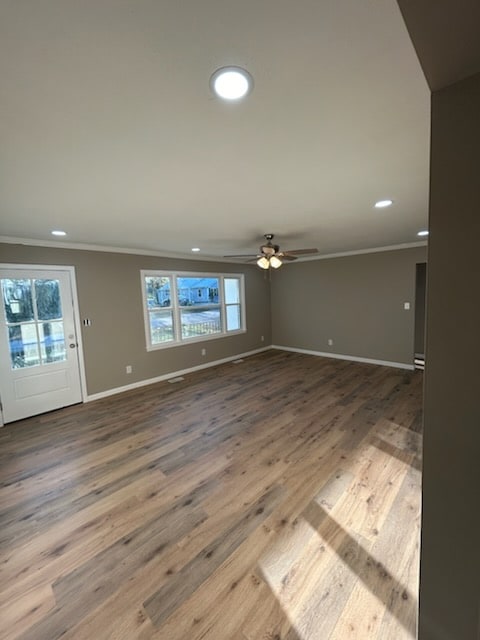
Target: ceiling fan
(271, 256)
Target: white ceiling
(109, 130)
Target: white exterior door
(39, 363)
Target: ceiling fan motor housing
(269, 249)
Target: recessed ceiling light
(196, 249)
(231, 83)
(422, 233)
(381, 204)
(57, 232)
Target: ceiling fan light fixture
(231, 83)
(275, 262)
(263, 263)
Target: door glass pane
(161, 326)
(158, 291)
(232, 290)
(233, 317)
(52, 342)
(17, 300)
(200, 322)
(194, 291)
(47, 293)
(23, 346)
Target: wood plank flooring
(274, 499)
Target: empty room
(238, 356)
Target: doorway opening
(420, 313)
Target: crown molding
(197, 257)
(356, 252)
(109, 249)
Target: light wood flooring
(274, 499)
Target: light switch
(406, 306)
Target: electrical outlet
(262, 338)
(330, 342)
(128, 368)
(204, 352)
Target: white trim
(36, 267)
(344, 254)
(198, 257)
(341, 356)
(78, 331)
(172, 374)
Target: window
(184, 307)
(158, 295)
(232, 303)
(33, 312)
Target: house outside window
(184, 307)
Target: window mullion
(177, 318)
(35, 316)
(221, 300)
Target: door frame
(76, 315)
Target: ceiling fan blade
(300, 252)
(270, 250)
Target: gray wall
(450, 557)
(357, 301)
(109, 292)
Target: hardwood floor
(274, 499)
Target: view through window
(34, 321)
(180, 307)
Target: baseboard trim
(214, 363)
(171, 374)
(341, 356)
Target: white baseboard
(341, 356)
(171, 374)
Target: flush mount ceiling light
(231, 83)
(422, 233)
(57, 232)
(381, 204)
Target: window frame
(176, 308)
